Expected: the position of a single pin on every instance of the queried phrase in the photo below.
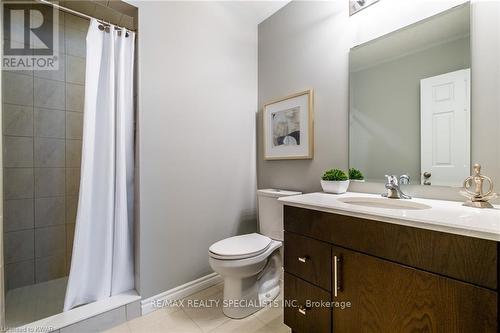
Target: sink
(402, 204)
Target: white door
(445, 128)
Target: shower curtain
(102, 260)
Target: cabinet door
(389, 297)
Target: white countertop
(445, 216)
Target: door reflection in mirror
(409, 100)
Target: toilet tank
(271, 212)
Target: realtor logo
(30, 36)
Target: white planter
(357, 180)
(336, 187)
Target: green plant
(334, 175)
(355, 174)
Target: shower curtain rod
(71, 11)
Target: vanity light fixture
(357, 5)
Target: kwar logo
(31, 36)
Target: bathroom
(204, 75)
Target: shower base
(34, 302)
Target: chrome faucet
(393, 188)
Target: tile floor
(209, 319)
(27, 304)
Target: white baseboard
(181, 291)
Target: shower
(43, 114)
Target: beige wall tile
(72, 181)
(75, 95)
(50, 241)
(75, 69)
(48, 268)
(73, 153)
(49, 182)
(49, 94)
(17, 89)
(18, 183)
(75, 42)
(74, 125)
(17, 120)
(18, 246)
(18, 214)
(50, 123)
(18, 151)
(50, 153)
(50, 211)
(19, 274)
(71, 208)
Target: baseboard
(181, 291)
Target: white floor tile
(123, 328)
(246, 325)
(151, 318)
(205, 319)
(205, 308)
(168, 321)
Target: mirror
(409, 100)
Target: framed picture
(288, 127)
(357, 5)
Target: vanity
(358, 262)
(361, 263)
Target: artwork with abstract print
(286, 127)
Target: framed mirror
(409, 101)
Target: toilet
(251, 264)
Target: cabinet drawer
(300, 318)
(463, 258)
(308, 259)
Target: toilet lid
(239, 247)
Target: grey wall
(306, 45)
(42, 131)
(385, 109)
(196, 132)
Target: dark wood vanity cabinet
(346, 274)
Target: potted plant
(355, 175)
(334, 181)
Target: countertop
(444, 216)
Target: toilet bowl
(251, 264)
(251, 279)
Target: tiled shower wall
(43, 123)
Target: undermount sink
(384, 203)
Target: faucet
(393, 189)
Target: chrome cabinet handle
(302, 310)
(336, 279)
(302, 259)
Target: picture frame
(288, 127)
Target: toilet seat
(240, 247)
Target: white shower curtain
(102, 261)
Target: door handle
(427, 175)
(303, 259)
(336, 275)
